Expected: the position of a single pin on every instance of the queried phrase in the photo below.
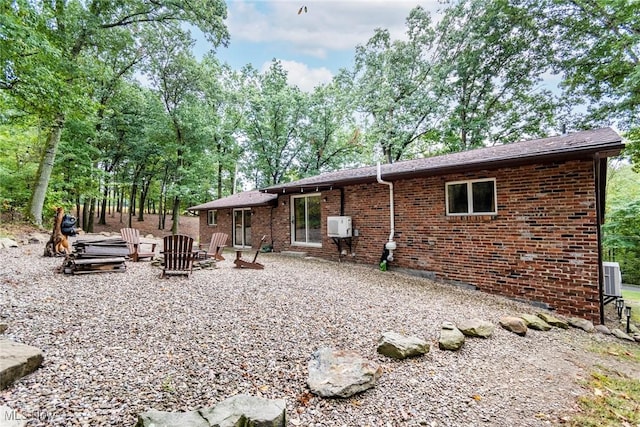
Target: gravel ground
(117, 344)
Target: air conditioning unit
(339, 226)
(612, 279)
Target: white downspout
(390, 245)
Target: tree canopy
(104, 107)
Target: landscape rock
(16, 361)
(240, 410)
(450, 337)
(6, 242)
(535, 322)
(247, 411)
(37, 238)
(553, 321)
(603, 329)
(583, 324)
(476, 328)
(338, 373)
(154, 418)
(633, 329)
(622, 335)
(514, 324)
(393, 344)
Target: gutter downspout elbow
(391, 245)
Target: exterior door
(242, 228)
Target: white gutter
(391, 245)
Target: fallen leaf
(477, 397)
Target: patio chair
(178, 255)
(218, 243)
(241, 263)
(136, 252)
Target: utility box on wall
(612, 279)
(339, 226)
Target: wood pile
(96, 256)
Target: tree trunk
(161, 214)
(132, 204)
(175, 215)
(120, 203)
(78, 211)
(92, 213)
(219, 180)
(103, 211)
(44, 170)
(144, 191)
(85, 214)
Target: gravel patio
(117, 344)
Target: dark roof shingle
(579, 144)
(244, 199)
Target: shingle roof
(580, 144)
(246, 198)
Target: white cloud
(301, 75)
(327, 25)
(312, 45)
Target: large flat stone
(16, 361)
(154, 418)
(247, 411)
(340, 373)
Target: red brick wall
(540, 247)
(260, 225)
(223, 225)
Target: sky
(312, 45)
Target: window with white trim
(212, 217)
(472, 197)
(306, 220)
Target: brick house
(520, 220)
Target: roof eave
(231, 206)
(605, 150)
(512, 162)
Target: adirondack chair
(241, 263)
(178, 255)
(136, 252)
(218, 242)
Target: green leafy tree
(394, 87)
(597, 52)
(61, 43)
(621, 230)
(175, 75)
(224, 119)
(621, 239)
(492, 56)
(274, 115)
(330, 137)
(18, 164)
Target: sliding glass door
(242, 228)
